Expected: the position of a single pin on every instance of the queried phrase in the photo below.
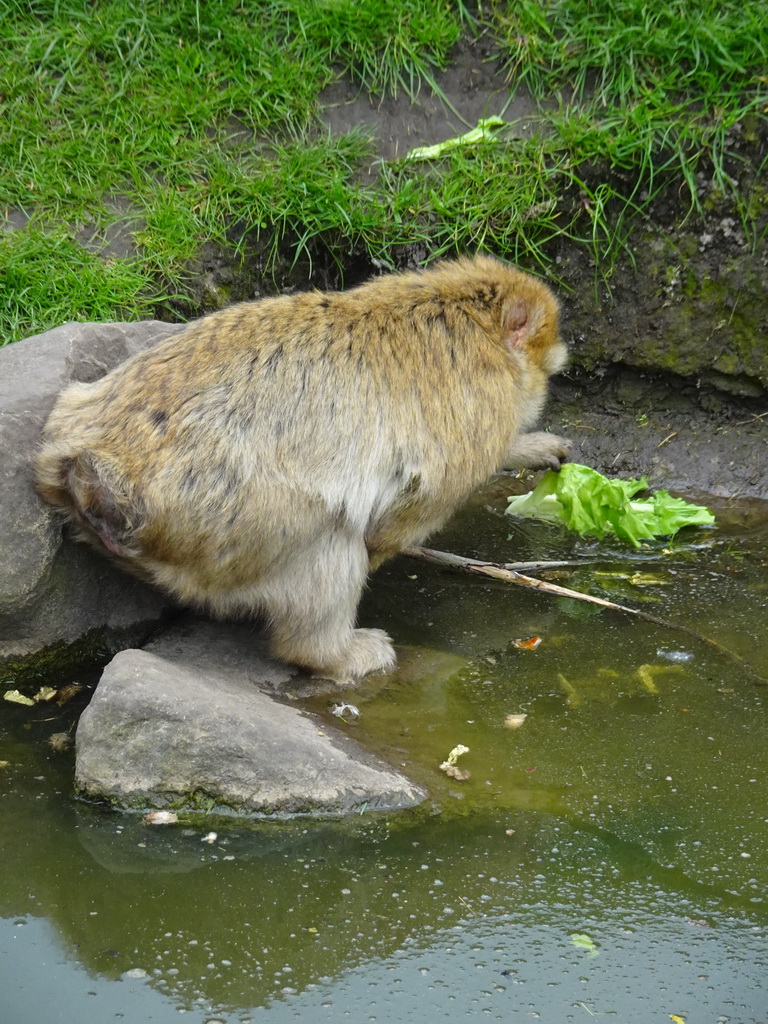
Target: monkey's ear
(516, 325)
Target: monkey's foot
(368, 650)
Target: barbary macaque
(270, 455)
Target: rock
(190, 724)
(53, 593)
(678, 309)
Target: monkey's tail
(92, 494)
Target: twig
(754, 418)
(461, 562)
(507, 574)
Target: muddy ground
(682, 436)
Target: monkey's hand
(538, 450)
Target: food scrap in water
(592, 504)
(160, 818)
(15, 697)
(449, 765)
(526, 643)
(340, 710)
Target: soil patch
(679, 434)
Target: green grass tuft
(47, 279)
(657, 89)
(618, 51)
(386, 45)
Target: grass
(614, 52)
(48, 278)
(199, 122)
(656, 89)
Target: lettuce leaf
(589, 503)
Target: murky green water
(607, 858)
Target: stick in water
(509, 574)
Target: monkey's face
(555, 357)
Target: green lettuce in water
(589, 503)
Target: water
(607, 858)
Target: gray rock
(192, 724)
(53, 593)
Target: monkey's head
(515, 309)
(530, 324)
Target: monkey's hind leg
(312, 606)
(93, 495)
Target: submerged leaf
(66, 693)
(590, 503)
(586, 942)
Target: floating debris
(636, 579)
(526, 643)
(678, 657)
(60, 741)
(340, 710)
(456, 753)
(514, 721)
(210, 838)
(15, 697)
(45, 694)
(449, 765)
(160, 818)
(66, 693)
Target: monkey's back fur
(265, 457)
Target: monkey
(267, 458)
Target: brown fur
(272, 453)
